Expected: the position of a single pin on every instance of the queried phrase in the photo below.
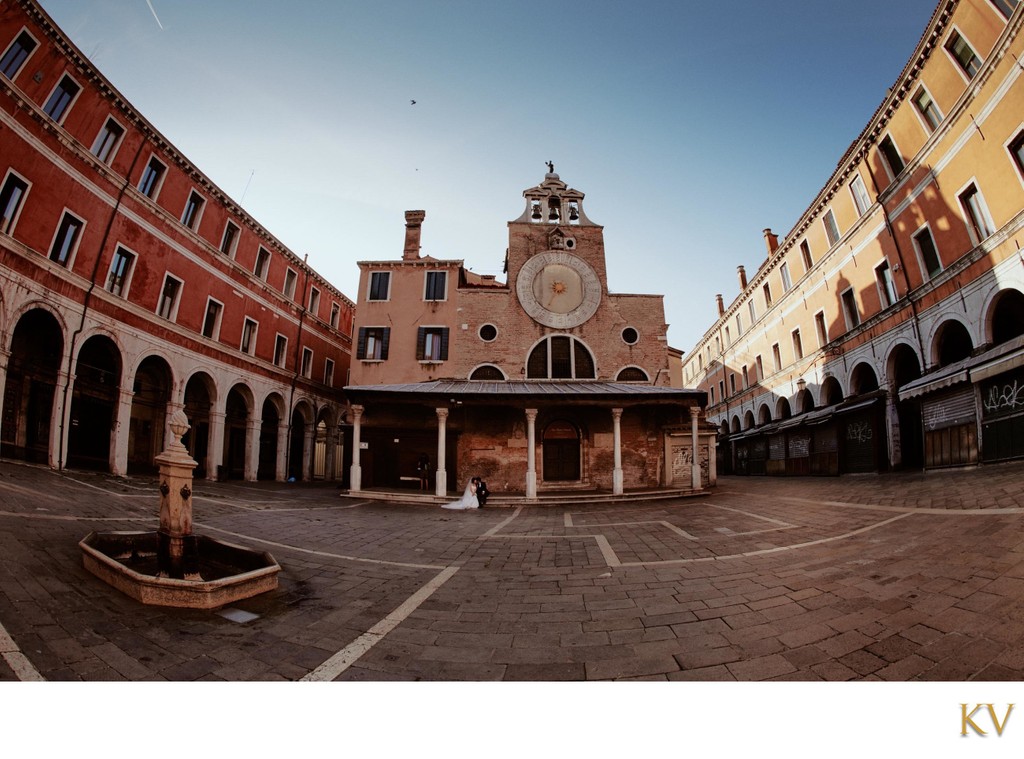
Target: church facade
(545, 382)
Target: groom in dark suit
(481, 491)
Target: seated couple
(474, 497)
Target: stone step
(560, 498)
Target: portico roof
(576, 391)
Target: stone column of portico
(60, 420)
(252, 447)
(695, 463)
(441, 483)
(215, 452)
(617, 444)
(281, 465)
(308, 448)
(355, 475)
(531, 453)
(5, 357)
(122, 426)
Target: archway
(199, 396)
(831, 392)
(863, 379)
(94, 404)
(735, 424)
(152, 387)
(952, 343)
(804, 401)
(32, 368)
(269, 429)
(236, 418)
(748, 420)
(1007, 316)
(302, 418)
(561, 441)
(782, 409)
(764, 414)
(903, 368)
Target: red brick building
(548, 381)
(131, 285)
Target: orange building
(545, 382)
(886, 329)
(132, 286)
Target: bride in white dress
(468, 500)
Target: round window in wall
(630, 336)
(488, 332)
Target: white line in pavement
(753, 516)
(501, 525)
(16, 660)
(327, 554)
(351, 653)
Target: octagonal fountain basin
(227, 572)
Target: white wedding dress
(468, 500)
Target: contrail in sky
(153, 11)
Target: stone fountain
(174, 566)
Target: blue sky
(690, 125)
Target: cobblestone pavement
(888, 577)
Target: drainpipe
(298, 365)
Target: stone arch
(152, 382)
(1005, 316)
(488, 372)
(782, 408)
(735, 426)
(30, 390)
(723, 428)
(94, 403)
(804, 401)
(238, 409)
(831, 392)
(764, 414)
(200, 399)
(324, 445)
(300, 440)
(863, 379)
(902, 366)
(951, 343)
(748, 420)
(272, 412)
(632, 374)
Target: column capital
(531, 414)
(694, 411)
(442, 413)
(616, 413)
(356, 410)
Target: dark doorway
(561, 452)
(36, 348)
(268, 442)
(236, 414)
(94, 404)
(152, 388)
(197, 409)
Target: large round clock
(558, 289)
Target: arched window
(632, 374)
(487, 372)
(560, 357)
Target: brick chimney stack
(741, 272)
(771, 240)
(413, 222)
(721, 305)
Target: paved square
(891, 577)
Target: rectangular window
(777, 357)
(721, 389)
(712, 401)
(211, 321)
(193, 210)
(328, 372)
(262, 263)
(739, 324)
(335, 315)
(1006, 6)
(149, 184)
(12, 196)
(66, 239)
(787, 283)
(314, 301)
(60, 99)
(307, 363)
(753, 311)
(805, 254)
(107, 141)
(432, 344)
(372, 344)
(931, 264)
(798, 346)
(380, 282)
(758, 368)
(860, 195)
(229, 241)
(743, 374)
(280, 351)
(732, 383)
(16, 55)
(850, 310)
(928, 109)
(728, 338)
(1016, 148)
(976, 214)
(767, 290)
(831, 228)
(436, 285)
(120, 271)
(886, 286)
(963, 54)
(249, 336)
(821, 329)
(167, 306)
(891, 156)
(290, 277)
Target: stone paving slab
(890, 577)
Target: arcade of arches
(111, 413)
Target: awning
(1002, 358)
(947, 377)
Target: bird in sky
(412, 102)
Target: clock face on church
(558, 289)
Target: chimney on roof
(721, 305)
(413, 222)
(741, 272)
(771, 240)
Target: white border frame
(74, 248)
